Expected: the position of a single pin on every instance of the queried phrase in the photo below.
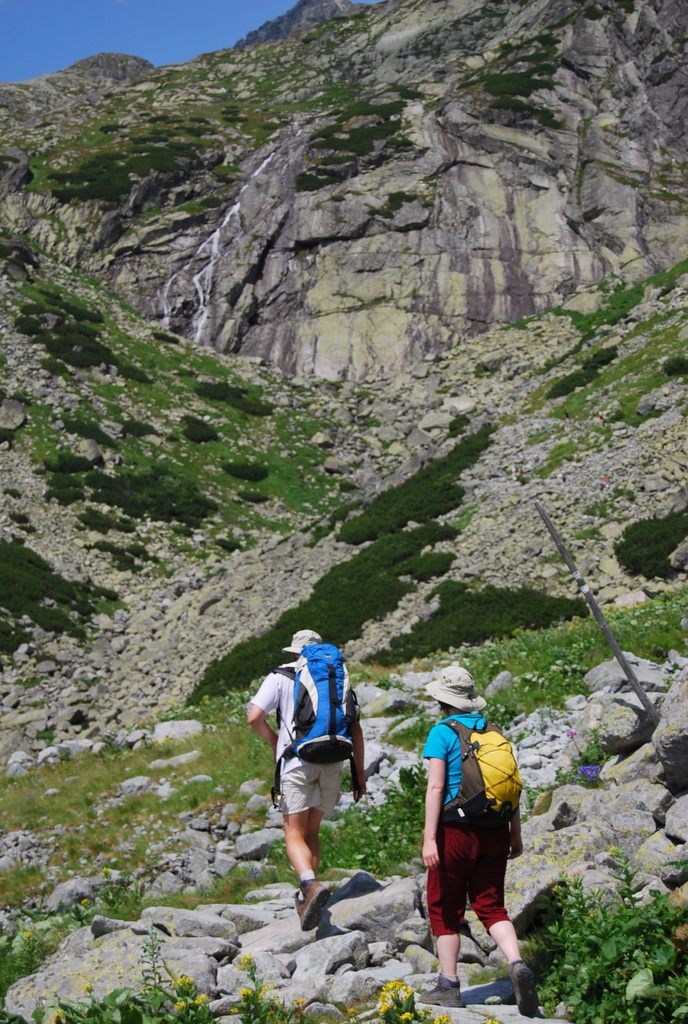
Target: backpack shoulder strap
(285, 670)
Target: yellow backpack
(490, 780)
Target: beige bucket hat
(302, 639)
(456, 688)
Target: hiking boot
(310, 900)
(523, 980)
(439, 995)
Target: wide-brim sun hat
(302, 639)
(456, 688)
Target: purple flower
(571, 732)
(589, 773)
(254, 872)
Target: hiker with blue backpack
(472, 827)
(318, 730)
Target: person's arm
(515, 841)
(257, 720)
(434, 795)
(359, 761)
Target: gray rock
(68, 894)
(670, 738)
(176, 730)
(625, 726)
(676, 823)
(327, 956)
(189, 923)
(256, 845)
(12, 414)
(502, 681)
(658, 856)
(136, 785)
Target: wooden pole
(597, 612)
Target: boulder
(670, 738)
(189, 923)
(176, 730)
(676, 823)
(256, 845)
(625, 726)
(12, 414)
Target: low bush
(199, 431)
(677, 366)
(429, 493)
(160, 492)
(98, 521)
(246, 470)
(350, 594)
(66, 462)
(238, 397)
(616, 961)
(28, 580)
(427, 567)
(644, 547)
(253, 496)
(469, 616)
(380, 837)
(88, 429)
(135, 428)
(228, 543)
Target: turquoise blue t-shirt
(444, 743)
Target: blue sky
(39, 36)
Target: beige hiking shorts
(311, 785)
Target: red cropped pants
(472, 864)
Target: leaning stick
(601, 621)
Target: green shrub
(246, 470)
(65, 495)
(458, 424)
(237, 397)
(27, 581)
(253, 496)
(131, 372)
(468, 616)
(160, 492)
(427, 567)
(199, 431)
(65, 462)
(135, 428)
(77, 350)
(305, 181)
(170, 339)
(514, 83)
(676, 366)
(645, 546)
(617, 961)
(350, 594)
(28, 325)
(569, 383)
(98, 521)
(380, 838)
(88, 429)
(228, 543)
(429, 493)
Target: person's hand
(361, 789)
(516, 847)
(431, 857)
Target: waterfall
(210, 250)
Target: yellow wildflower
(299, 1002)
(444, 1018)
(203, 998)
(246, 992)
(180, 1004)
(183, 980)
(88, 987)
(246, 961)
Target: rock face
(444, 168)
(300, 16)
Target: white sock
(307, 876)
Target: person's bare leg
(448, 947)
(301, 836)
(504, 934)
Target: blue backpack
(325, 708)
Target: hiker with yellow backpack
(472, 827)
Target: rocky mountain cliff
(300, 16)
(375, 189)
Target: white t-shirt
(277, 691)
